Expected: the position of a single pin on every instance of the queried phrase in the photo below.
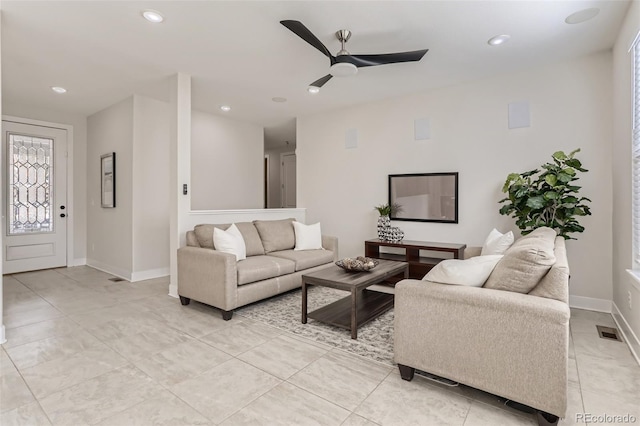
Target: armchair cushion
(497, 242)
(470, 272)
(525, 262)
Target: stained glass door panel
(30, 184)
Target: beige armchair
(509, 344)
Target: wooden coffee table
(362, 305)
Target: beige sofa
(508, 343)
(272, 265)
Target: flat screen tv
(425, 197)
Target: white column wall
(180, 170)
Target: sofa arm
(509, 344)
(208, 276)
(330, 243)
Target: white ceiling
(239, 54)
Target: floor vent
(116, 279)
(608, 333)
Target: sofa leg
(226, 315)
(546, 419)
(406, 372)
(184, 300)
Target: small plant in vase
(384, 223)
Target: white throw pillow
(308, 237)
(230, 241)
(471, 272)
(497, 242)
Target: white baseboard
(173, 290)
(113, 270)
(78, 262)
(627, 332)
(149, 274)
(590, 303)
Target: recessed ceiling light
(499, 39)
(582, 15)
(225, 108)
(153, 16)
(313, 89)
(279, 99)
(58, 89)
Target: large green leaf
(559, 155)
(536, 202)
(564, 178)
(551, 179)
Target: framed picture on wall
(108, 180)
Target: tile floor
(84, 350)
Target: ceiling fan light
(313, 89)
(343, 69)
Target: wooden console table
(418, 265)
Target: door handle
(63, 215)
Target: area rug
(375, 339)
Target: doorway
(34, 173)
(288, 179)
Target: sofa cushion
(258, 268)
(276, 234)
(305, 259)
(525, 262)
(308, 237)
(230, 241)
(204, 235)
(251, 238)
(471, 272)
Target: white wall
(150, 188)
(79, 164)
(226, 163)
(623, 284)
(109, 236)
(570, 108)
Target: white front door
(34, 225)
(288, 180)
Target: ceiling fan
(344, 63)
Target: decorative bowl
(357, 264)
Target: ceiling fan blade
(385, 58)
(321, 81)
(303, 32)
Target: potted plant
(385, 210)
(547, 196)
